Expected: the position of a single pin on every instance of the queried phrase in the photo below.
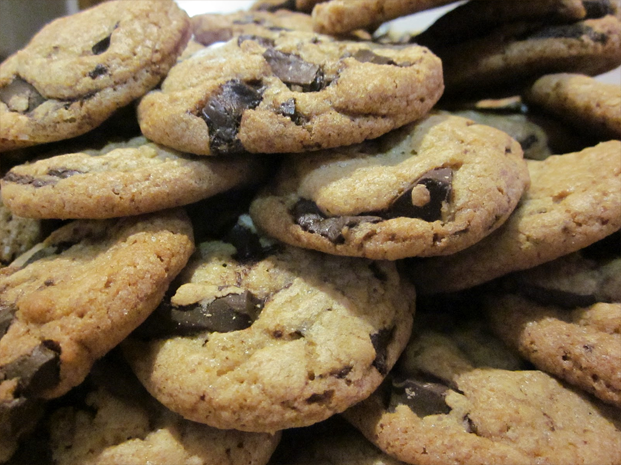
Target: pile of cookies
(290, 235)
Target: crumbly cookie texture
(17, 235)
(431, 188)
(210, 28)
(582, 101)
(580, 345)
(121, 179)
(341, 16)
(73, 297)
(509, 57)
(445, 407)
(573, 201)
(289, 92)
(77, 70)
(273, 343)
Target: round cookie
(573, 201)
(121, 179)
(210, 28)
(79, 69)
(110, 420)
(444, 404)
(341, 16)
(76, 295)
(260, 336)
(584, 102)
(512, 55)
(289, 92)
(430, 188)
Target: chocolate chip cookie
(511, 55)
(79, 69)
(121, 179)
(585, 103)
(17, 234)
(430, 188)
(289, 92)
(260, 336)
(573, 201)
(445, 404)
(70, 299)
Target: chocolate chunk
(423, 394)
(223, 113)
(25, 179)
(101, 46)
(438, 185)
(381, 340)
(570, 31)
(367, 56)
(322, 397)
(262, 41)
(21, 96)
(298, 74)
(598, 8)
(248, 245)
(62, 173)
(232, 312)
(288, 109)
(37, 371)
(7, 313)
(307, 215)
(99, 70)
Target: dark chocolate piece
(27, 179)
(567, 31)
(62, 173)
(288, 109)
(248, 245)
(381, 340)
(37, 371)
(307, 215)
(319, 398)
(101, 46)
(20, 89)
(367, 56)
(438, 183)
(424, 395)
(99, 70)
(223, 113)
(295, 72)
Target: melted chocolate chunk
(101, 46)
(37, 371)
(296, 73)
(25, 179)
(99, 70)
(62, 173)
(7, 314)
(248, 245)
(21, 96)
(262, 41)
(438, 184)
(288, 109)
(598, 8)
(232, 312)
(569, 31)
(424, 395)
(307, 215)
(223, 113)
(367, 56)
(381, 340)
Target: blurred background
(21, 19)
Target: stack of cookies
(290, 235)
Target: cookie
(583, 102)
(289, 92)
(110, 419)
(79, 69)
(271, 336)
(340, 16)
(73, 297)
(573, 201)
(121, 179)
(415, 192)
(331, 442)
(508, 58)
(444, 404)
(17, 235)
(211, 28)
